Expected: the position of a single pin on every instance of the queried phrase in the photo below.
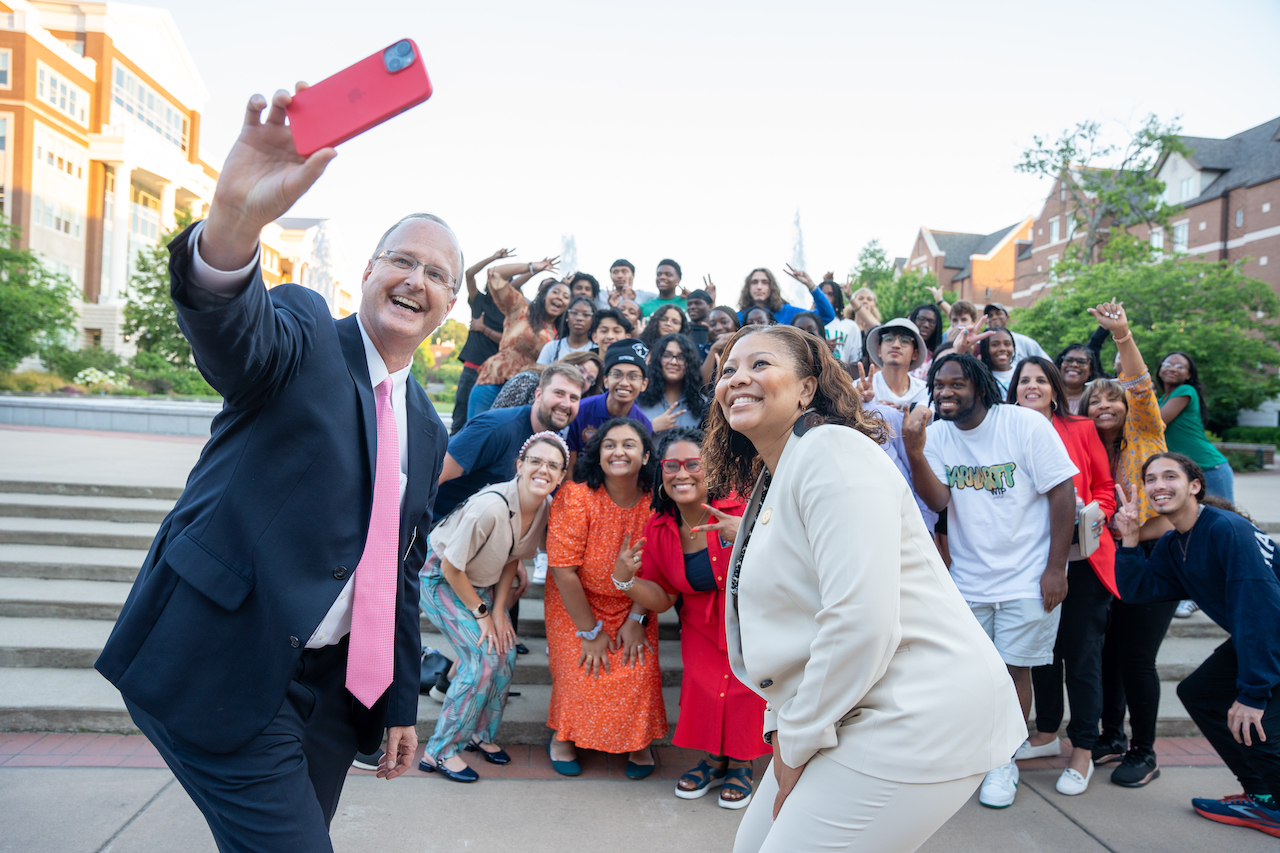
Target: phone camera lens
(404, 48)
(393, 64)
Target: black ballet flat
(499, 757)
(467, 775)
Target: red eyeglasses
(672, 466)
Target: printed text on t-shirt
(993, 478)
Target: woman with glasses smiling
(687, 546)
(673, 397)
(466, 582)
(576, 335)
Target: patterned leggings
(478, 694)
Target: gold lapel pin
(766, 515)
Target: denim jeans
(1220, 481)
(481, 399)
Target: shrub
(1242, 461)
(1253, 435)
(68, 362)
(32, 381)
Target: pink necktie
(373, 612)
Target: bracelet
(592, 634)
(617, 584)
(1127, 337)
(530, 267)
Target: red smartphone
(358, 98)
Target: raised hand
(726, 525)
(1126, 520)
(546, 265)
(628, 562)
(829, 275)
(968, 339)
(1112, 317)
(261, 179)
(913, 428)
(710, 287)
(866, 388)
(935, 292)
(800, 276)
(667, 419)
(501, 253)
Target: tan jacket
(483, 534)
(848, 624)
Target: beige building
(309, 252)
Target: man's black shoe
(1108, 749)
(1136, 769)
(522, 649)
(367, 760)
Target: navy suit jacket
(272, 522)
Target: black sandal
(738, 779)
(706, 777)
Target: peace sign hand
(726, 525)
(968, 339)
(935, 292)
(1127, 520)
(546, 264)
(628, 562)
(864, 384)
(710, 287)
(800, 276)
(667, 419)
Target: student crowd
(576, 442)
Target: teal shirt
(647, 308)
(1185, 433)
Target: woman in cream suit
(886, 701)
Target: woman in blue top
(1183, 410)
(761, 289)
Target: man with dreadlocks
(1004, 477)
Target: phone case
(356, 99)
(1087, 537)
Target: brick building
(1229, 190)
(980, 267)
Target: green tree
(873, 267)
(1212, 311)
(1106, 185)
(36, 313)
(149, 315)
(897, 296)
(451, 330)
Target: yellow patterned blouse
(1143, 437)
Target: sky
(697, 130)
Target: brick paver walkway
(56, 749)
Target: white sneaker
(1072, 783)
(999, 787)
(1186, 608)
(1052, 749)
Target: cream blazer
(849, 626)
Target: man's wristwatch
(481, 611)
(642, 618)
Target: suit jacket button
(768, 682)
(340, 572)
(295, 642)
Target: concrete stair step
(1180, 656)
(77, 533)
(532, 622)
(31, 487)
(1196, 625)
(90, 508)
(534, 667)
(54, 643)
(65, 562)
(57, 700)
(62, 599)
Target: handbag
(1087, 535)
(433, 664)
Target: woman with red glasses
(686, 549)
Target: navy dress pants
(278, 792)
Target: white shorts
(1024, 634)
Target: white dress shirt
(336, 624)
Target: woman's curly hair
(691, 391)
(731, 461)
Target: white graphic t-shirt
(917, 391)
(998, 518)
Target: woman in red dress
(685, 555)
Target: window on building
(1062, 193)
(144, 215)
(1186, 188)
(1053, 230)
(140, 105)
(1266, 207)
(1180, 233)
(4, 134)
(1071, 228)
(6, 57)
(61, 94)
(1239, 218)
(1053, 261)
(1157, 239)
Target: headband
(545, 435)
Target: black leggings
(1207, 694)
(1129, 671)
(1079, 651)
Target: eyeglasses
(553, 467)
(1075, 362)
(693, 465)
(407, 264)
(673, 359)
(582, 315)
(904, 339)
(628, 376)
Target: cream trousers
(835, 808)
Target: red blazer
(1093, 483)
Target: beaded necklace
(737, 566)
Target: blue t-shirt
(784, 315)
(592, 412)
(486, 448)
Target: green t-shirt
(647, 308)
(1185, 433)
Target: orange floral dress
(1143, 438)
(622, 710)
